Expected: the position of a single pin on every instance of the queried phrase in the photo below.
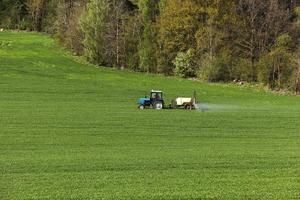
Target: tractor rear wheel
(158, 105)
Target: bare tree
(262, 22)
(115, 30)
(37, 10)
(68, 15)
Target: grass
(73, 131)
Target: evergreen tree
(14, 14)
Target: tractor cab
(155, 101)
(156, 95)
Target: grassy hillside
(73, 131)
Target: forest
(211, 40)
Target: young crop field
(72, 131)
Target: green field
(73, 131)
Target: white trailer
(184, 102)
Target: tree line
(212, 40)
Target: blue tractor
(155, 101)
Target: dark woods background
(212, 40)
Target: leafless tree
(262, 22)
(37, 10)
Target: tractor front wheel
(141, 107)
(158, 105)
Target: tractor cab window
(156, 95)
(153, 95)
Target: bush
(184, 65)
(215, 69)
(241, 69)
(276, 67)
